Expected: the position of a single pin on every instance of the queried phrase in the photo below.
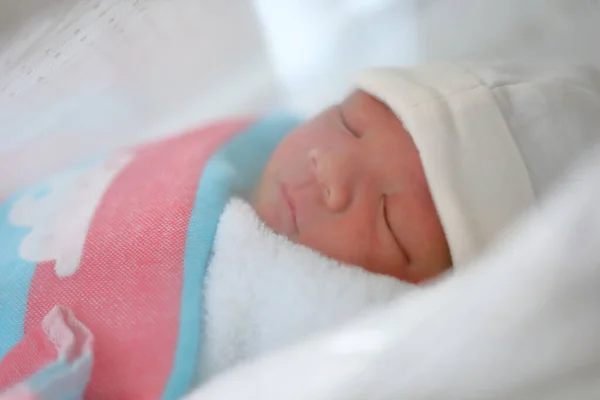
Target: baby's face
(350, 185)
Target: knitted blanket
(102, 266)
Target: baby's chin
(266, 202)
(272, 218)
(268, 217)
(265, 209)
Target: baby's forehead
(361, 108)
(358, 96)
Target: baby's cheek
(339, 242)
(357, 246)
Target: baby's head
(422, 168)
(350, 184)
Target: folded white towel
(263, 292)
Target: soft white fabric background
(79, 76)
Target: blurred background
(83, 76)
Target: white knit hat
(491, 139)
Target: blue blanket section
(15, 278)
(234, 169)
(15, 273)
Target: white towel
(263, 292)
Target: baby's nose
(332, 172)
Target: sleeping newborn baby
(421, 168)
(143, 273)
(350, 184)
(414, 173)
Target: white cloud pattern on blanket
(60, 216)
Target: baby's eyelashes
(347, 126)
(390, 226)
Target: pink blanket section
(57, 356)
